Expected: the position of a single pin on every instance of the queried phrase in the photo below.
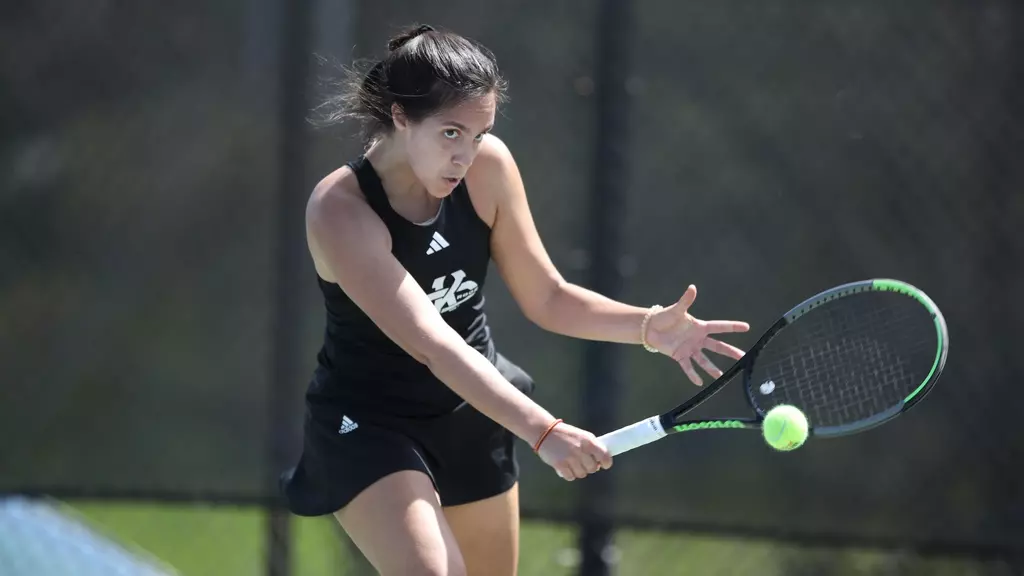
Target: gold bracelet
(643, 328)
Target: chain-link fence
(772, 150)
(786, 149)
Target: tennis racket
(851, 358)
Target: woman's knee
(398, 524)
(454, 566)
(439, 557)
(419, 557)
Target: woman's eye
(451, 134)
(479, 137)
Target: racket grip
(633, 436)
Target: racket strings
(848, 360)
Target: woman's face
(442, 147)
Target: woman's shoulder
(341, 185)
(493, 159)
(339, 193)
(337, 206)
(492, 176)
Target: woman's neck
(404, 191)
(391, 163)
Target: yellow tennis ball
(785, 427)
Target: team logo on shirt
(448, 298)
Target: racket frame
(671, 422)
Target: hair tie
(403, 39)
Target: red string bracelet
(536, 446)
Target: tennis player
(412, 415)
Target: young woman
(412, 414)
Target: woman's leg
(487, 532)
(398, 524)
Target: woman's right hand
(574, 452)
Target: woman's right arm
(352, 246)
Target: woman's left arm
(538, 288)
(562, 307)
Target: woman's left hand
(674, 332)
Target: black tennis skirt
(467, 455)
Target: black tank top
(449, 257)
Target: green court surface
(222, 540)
(230, 541)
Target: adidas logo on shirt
(437, 243)
(347, 425)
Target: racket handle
(633, 436)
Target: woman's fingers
(707, 365)
(725, 326)
(687, 366)
(724, 349)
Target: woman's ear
(398, 116)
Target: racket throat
(732, 423)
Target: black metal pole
(602, 361)
(290, 250)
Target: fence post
(288, 259)
(602, 361)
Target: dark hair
(426, 70)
